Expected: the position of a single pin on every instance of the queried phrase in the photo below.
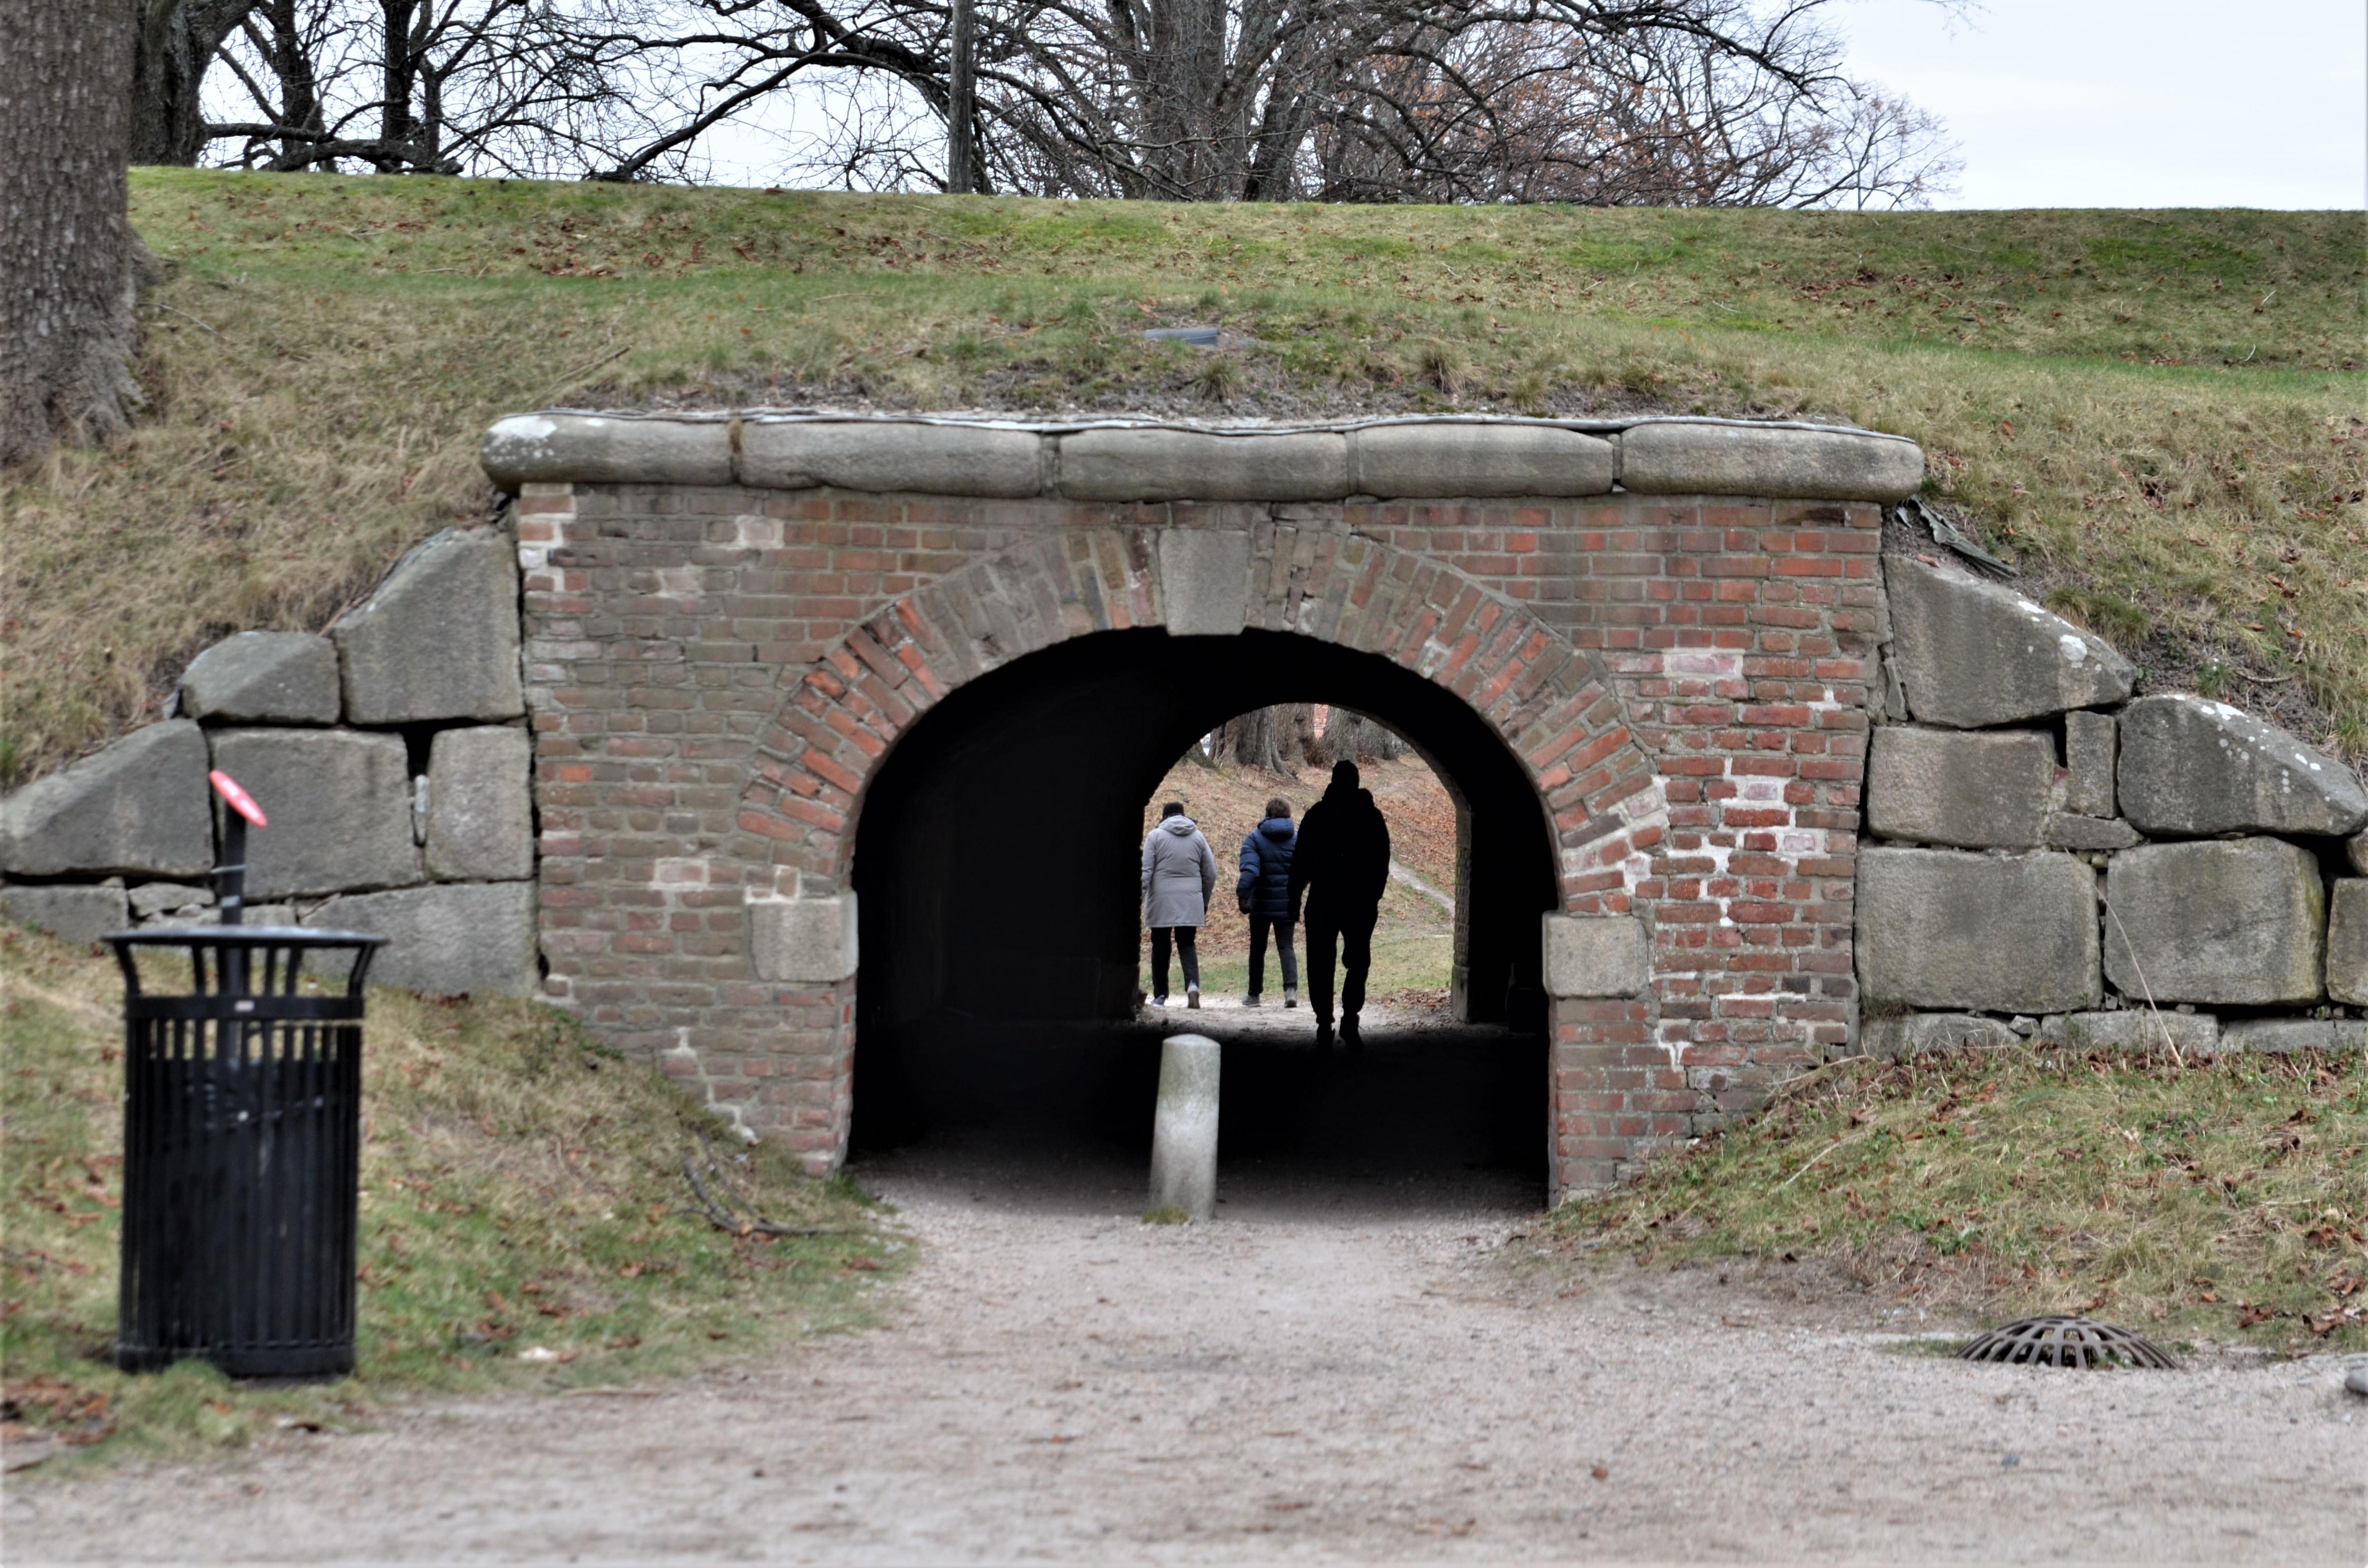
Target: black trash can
(242, 1153)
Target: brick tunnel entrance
(995, 857)
(1644, 652)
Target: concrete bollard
(1184, 1130)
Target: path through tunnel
(998, 1011)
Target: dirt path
(1349, 1372)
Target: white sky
(2133, 103)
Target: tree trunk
(300, 89)
(1279, 740)
(67, 275)
(1353, 737)
(177, 41)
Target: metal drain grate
(2067, 1342)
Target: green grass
(2160, 412)
(522, 1190)
(2215, 1200)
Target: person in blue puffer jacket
(1264, 894)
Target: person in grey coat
(1179, 874)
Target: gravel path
(1335, 1371)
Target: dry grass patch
(2221, 1198)
(522, 1190)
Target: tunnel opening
(996, 859)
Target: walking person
(1342, 863)
(1264, 894)
(1179, 874)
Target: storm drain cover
(2067, 1342)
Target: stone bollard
(1184, 1130)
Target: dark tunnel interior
(996, 867)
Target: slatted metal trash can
(242, 1151)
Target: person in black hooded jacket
(1264, 894)
(1341, 864)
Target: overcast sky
(2071, 103)
(2133, 103)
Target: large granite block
(1999, 934)
(2191, 766)
(1596, 956)
(1972, 654)
(339, 804)
(2091, 746)
(439, 637)
(809, 941)
(1204, 581)
(450, 940)
(2232, 921)
(1902, 1035)
(2347, 942)
(2134, 1028)
(138, 808)
(263, 677)
(480, 806)
(1950, 787)
(71, 914)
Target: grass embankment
(1414, 956)
(521, 1191)
(2160, 412)
(2221, 1199)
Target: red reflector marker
(237, 799)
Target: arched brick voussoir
(1554, 704)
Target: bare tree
(1691, 102)
(439, 86)
(178, 40)
(68, 259)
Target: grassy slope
(2221, 1199)
(2162, 410)
(521, 1187)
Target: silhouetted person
(1264, 894)
(1342, 863)
(1179, 874)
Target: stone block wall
(391, 757)
(2048, 859)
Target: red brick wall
(714, 673)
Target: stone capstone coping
(1673, 457)
(1143, 460)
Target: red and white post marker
(230, 875)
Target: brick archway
(1553, 705)
(719, 661)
